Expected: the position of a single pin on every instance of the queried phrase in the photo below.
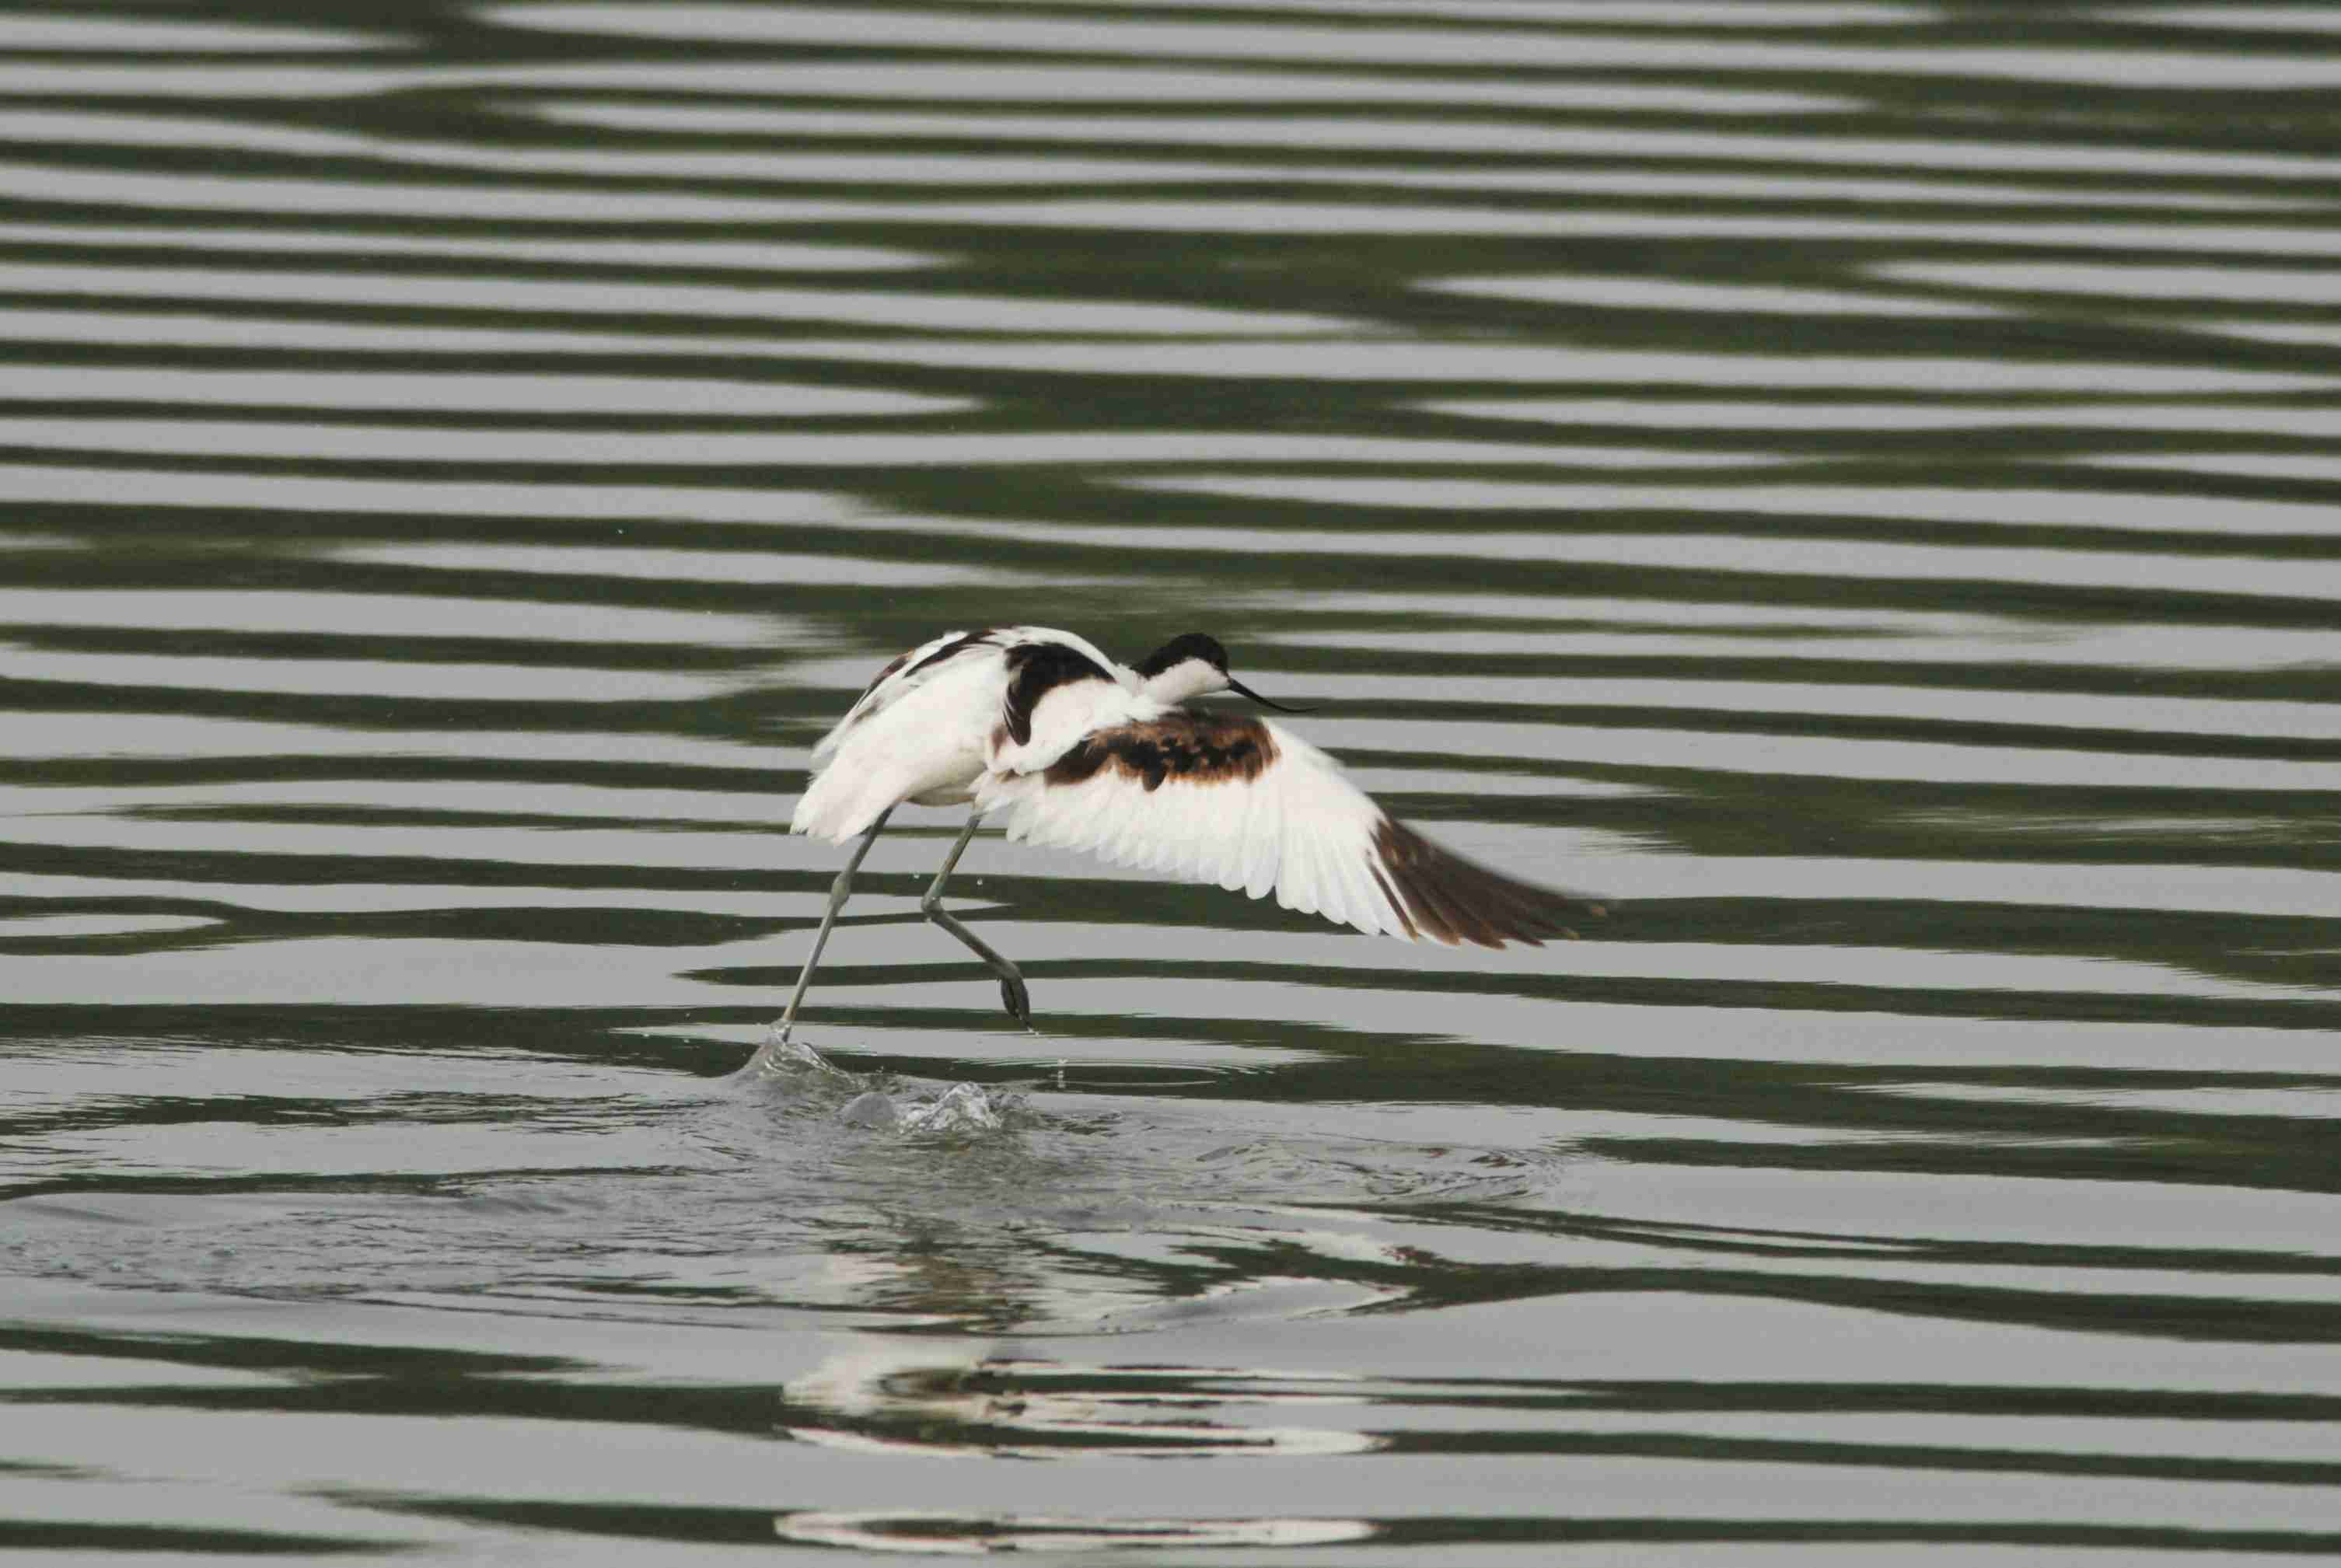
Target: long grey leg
(839, 891)
(1013, 994)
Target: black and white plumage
(1040, 730)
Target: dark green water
(1855, 481)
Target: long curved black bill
(1240, 690)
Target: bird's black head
(1192, 645)
(1197, 647)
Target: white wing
(1225, 798)
(905, 675)
(924, 729)
(918, 729)
(938, 656)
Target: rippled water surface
(1855, 481)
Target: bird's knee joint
(842, 887)
(929, 903)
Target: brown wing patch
(1190, 748)
(1448, 899)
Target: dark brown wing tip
(1442, 895)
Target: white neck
(1188, 678)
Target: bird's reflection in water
(882, 1397)
(882, 1394)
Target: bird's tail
(840, 804)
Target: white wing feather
(1247, 804)
(918, 732)
(902, 676)
(1298, 829)
(926, 728)
(919, 667)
